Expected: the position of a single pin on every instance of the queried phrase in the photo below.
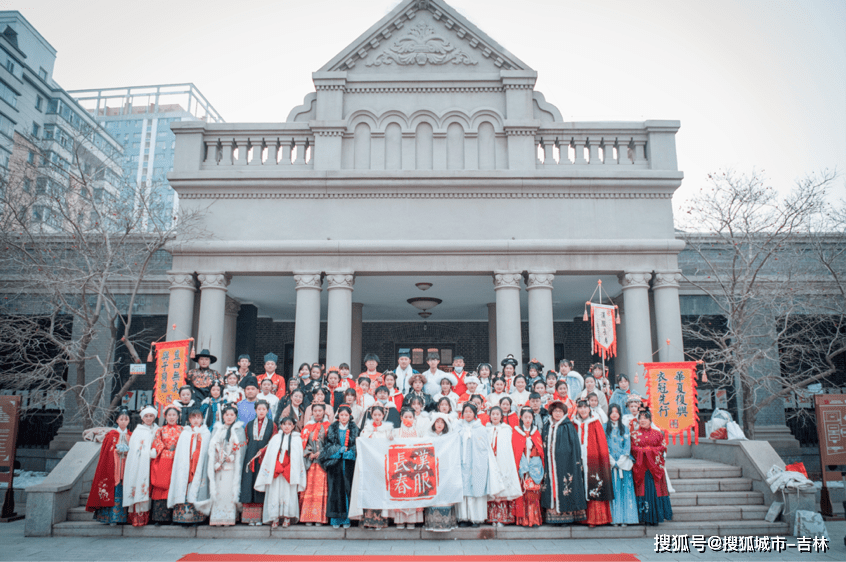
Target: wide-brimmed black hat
(205, 353)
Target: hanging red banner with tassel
(671, 395)
(171, 369)
(604, 339)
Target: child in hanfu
(374, 428)
(212, 406)
(258, 432)
(313, 499)
(189, 480)
(527, 444)
(439, 518)
(337, 457)
(595, 465)
(225, 464)
(161, 467)
(501, 507)
(136, 476)
(106, 496)
(563, 492)
(624, 506)
(282, 476)
(406, 518)
(479, 469)
(232, 392)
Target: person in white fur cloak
(282, 476)
(374, 428)
(136, 476)
(224, 469)
(189, 479)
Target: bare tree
(773, 267)
(78, 241)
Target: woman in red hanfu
(653, 497)
(595, 464)
(161, 467)
(394, 394)
(508, 417)
(528, 455)
(501, 506)
(106, 497)
(313, 499)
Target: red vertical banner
(171, 368)
(671, 394)
(604, 334)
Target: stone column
(355, 352)
(541, 342)
(230, 321)
(492, 356)
(212, 315)
(339, 318)
(180, 311)
(665, 290)
(638, 333)
(307, 319)
(508, 321)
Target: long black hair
(609, 425)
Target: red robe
(396, 396)
(571, 406)
(459, 388)
(161, 466)
(518, 443)
(648, 449)
(600, 491)
(277, 380)
(109, 473)
(511, 419)
(484, 418)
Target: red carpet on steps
(393, 558)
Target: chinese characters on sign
(171, 368)
(412, 472)
(604, 340)
(671, 393)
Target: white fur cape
(136, 475)
(198, 490)
(239, 442)
(505, 461)
(280, 498)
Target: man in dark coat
(563, 495)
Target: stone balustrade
(259, 146)
(588, 144)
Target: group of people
(544, 448)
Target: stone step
(704, 470)
(706, 528)
(79, 514)
(727, 512)
(682, 499)
(712, 484)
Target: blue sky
(755, 83)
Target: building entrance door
(420, 352)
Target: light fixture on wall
(424, 304)
(423, 286)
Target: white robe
(181, 491)
(136, 475)
(518, 400)
(217, 447)
(402, 379)
(369, 432)
(273, 400)
(280, 496)
(505, 461)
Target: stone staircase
(710, 499)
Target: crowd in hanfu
(259, 450)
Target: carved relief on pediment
(422, 45)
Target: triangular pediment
(424, 36)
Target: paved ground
(17, 547)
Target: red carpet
(368, 558)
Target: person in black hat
(202, 377)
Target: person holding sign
(106, 496)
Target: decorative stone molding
(308, 281)
(421, 46)
(340, 281)
(182, 281)
(666, 279)
(214, 281)
(635, 280)
(504, 280)
(328, 87)
(330, 132)
(540, 281)
(241, 194)
(232, 307)
(520, 131)
(513, 86)
(423, 90)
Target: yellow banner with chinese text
(671, 395)
(171, 367)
